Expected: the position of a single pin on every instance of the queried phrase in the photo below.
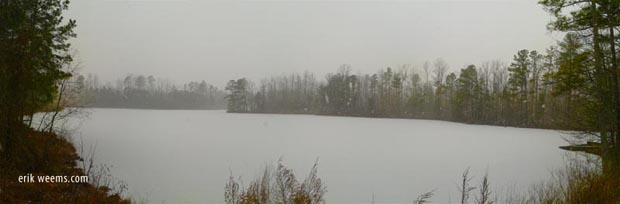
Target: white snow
(180, 156)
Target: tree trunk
(616, 95)
(600, 86)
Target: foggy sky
(221, 40)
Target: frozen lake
(182, 156)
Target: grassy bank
(580, 181)
(49, 154)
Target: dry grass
(464, 187)
(580, 181)
(280, 186)
(484, 195)
(424, 198)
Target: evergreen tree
(467, 94)
(237, 97)
(33, 50)
(598, 19)
(518, 81)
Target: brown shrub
(279, 187)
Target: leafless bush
(285, 185)
(231, 191)
(258, 192)
(279, 187)
(312, 189)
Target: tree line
(516, 94)
(148, 92)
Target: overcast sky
(217, 41)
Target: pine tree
(33, 50)
(518, 81)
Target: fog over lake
(178, 156)
(219, 40)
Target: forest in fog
(526, 92)
(148, 92)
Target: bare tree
(440, 68)
(67, 103)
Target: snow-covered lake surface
(182, 156)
